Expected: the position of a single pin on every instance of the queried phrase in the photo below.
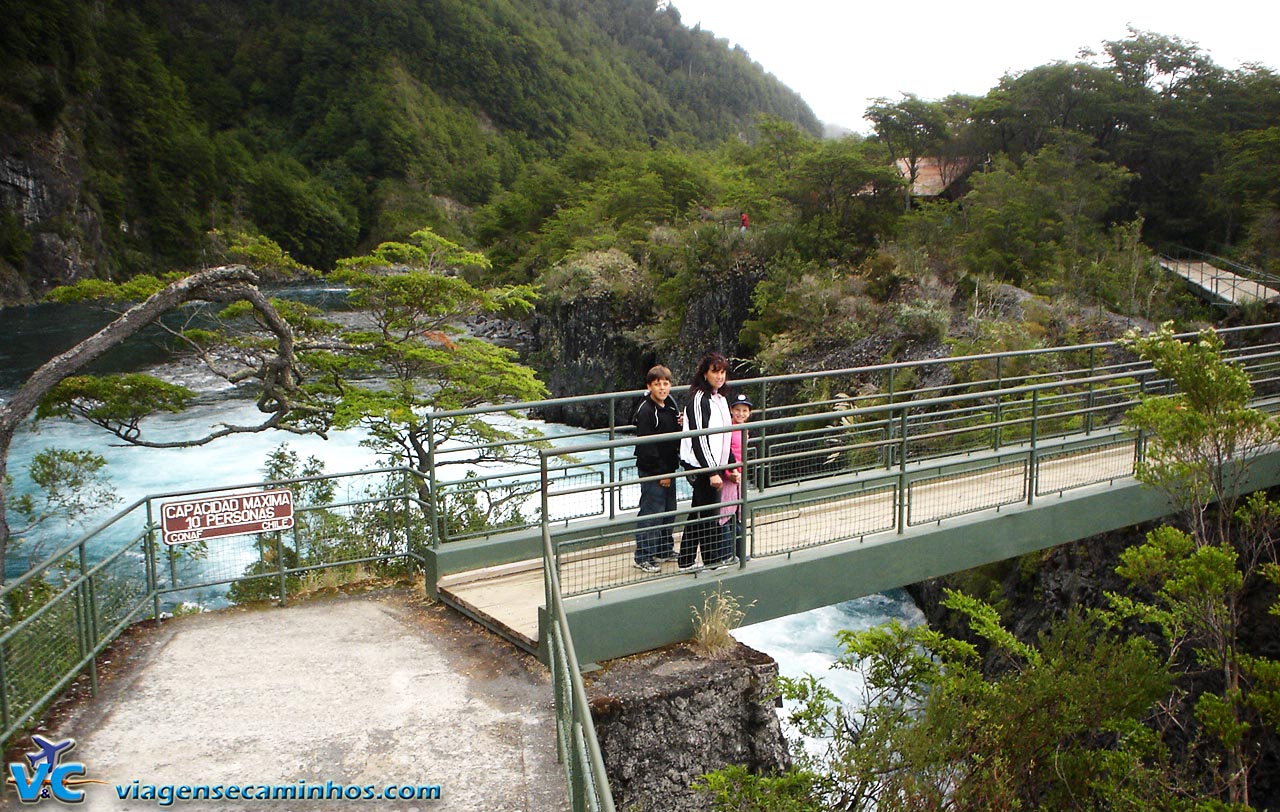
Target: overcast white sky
(840, 54)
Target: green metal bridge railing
(910, 447)
(900, 419)
(576, 742)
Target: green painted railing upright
(576, 742)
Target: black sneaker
(647, 566)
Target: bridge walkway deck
(508, 598)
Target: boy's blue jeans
(653, 536)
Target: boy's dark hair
(657, 373)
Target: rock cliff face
(1037, 592)
(587, 345)
(665, 718)
(598, 330)
(42, 193)
(714, 316)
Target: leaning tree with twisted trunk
(408, 360)
(271, 365)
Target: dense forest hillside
(132, 129)
(603, 152)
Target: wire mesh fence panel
(945, 433)
(934, 498)
(567, 499)
(1062, 413)
(629, 491)
(475, 507)
(798, 461)
(608, 559)
(1265, 377)
(822, 520)
(829, 451)
(190, 566)
(40, 651)
(1050, 417)
(118, 589)
(1108, 405)
(1075, 468)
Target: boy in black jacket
(656, 414)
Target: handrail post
(902, 473)
(149, 565)
(999, 432)
(743, 509)
(90, 618)
(406, 486)
(578, 801)
(889, 425)
(1035, 431)
(1090, 400)
(434, 521)
(545, 479)
(173, 567)
(762, 471)
(613, 460)
(1140, 442)
(4, 687)
(280, 561)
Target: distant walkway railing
(1226, 281)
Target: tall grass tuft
(721, 613)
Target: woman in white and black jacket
(707, 408)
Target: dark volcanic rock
(667, 717)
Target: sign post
(219, 516)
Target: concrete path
(361, 691)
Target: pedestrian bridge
(848, 495)
(1221, 281)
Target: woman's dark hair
(710, 361)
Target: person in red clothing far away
(744, 222)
